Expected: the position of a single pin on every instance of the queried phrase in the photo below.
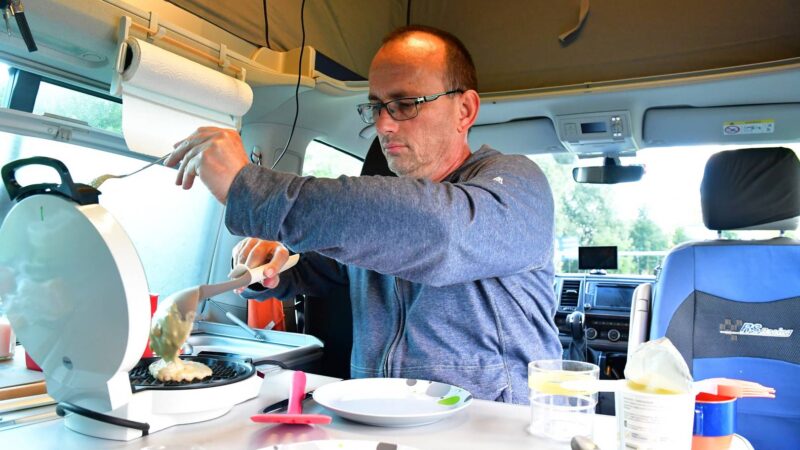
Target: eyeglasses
(401, 109)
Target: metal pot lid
(78, 297)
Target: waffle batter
(167, 334)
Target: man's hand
(216, 155)
(254, 252)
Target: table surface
(482, 425)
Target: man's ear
(468, 109)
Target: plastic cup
(557, 413)
(8, 341)
(654, 421)
(148, 352)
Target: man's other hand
(254, 252)
(216, 155)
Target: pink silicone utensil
(294, 414)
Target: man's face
(422, 147)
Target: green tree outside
(646, 235)
(97, 112)
(680, 236)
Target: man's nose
(384, 121)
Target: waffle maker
(79, 303)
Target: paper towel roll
(165, 97)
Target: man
(449, 267)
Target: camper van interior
(669, 134)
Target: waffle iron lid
(77, 296)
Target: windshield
(644, 219)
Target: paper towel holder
(156, 32)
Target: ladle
(186, 300)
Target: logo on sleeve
(498, 179)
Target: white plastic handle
(257, 273)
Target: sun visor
(521, 137)
(737, 125)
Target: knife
(283, 404)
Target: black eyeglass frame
(376, 107)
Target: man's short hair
(461, 72)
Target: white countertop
(483, 425)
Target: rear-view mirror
(609, 173)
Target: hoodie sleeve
(494, 219)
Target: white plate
(392, 402)
(339, 445)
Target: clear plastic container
(557, 413)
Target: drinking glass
(558, 413)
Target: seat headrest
(751, 188)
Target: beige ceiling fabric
(347, 31)
(515, 42)
(516, 45)
(242, 18)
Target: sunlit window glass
(95, 111)
(4, 85)
(324, 161)
(644, 219)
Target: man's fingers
(271, 283)
(279, 258)
(272, 255)
(254, 252)
(238, 254)
(191, 171)
(247, 249)
(179, 149)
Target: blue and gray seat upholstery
(732, 307)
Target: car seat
(732, 307)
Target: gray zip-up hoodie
(449, 281)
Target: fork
(731, 387)
(102, 178)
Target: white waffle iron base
(79, 303)
(163, 409)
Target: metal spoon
(102, 178)
(256, 333)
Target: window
(323, 161)
(644, 219)
(96, 111)
(173, 230)
(4, 85)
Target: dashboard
(605, 301)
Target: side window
(4, 85)
(95, 111)
(323, 161)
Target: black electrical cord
(408, 12)
(297, 86)
(63, 407)
(266, 25)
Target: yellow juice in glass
(549, 381)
